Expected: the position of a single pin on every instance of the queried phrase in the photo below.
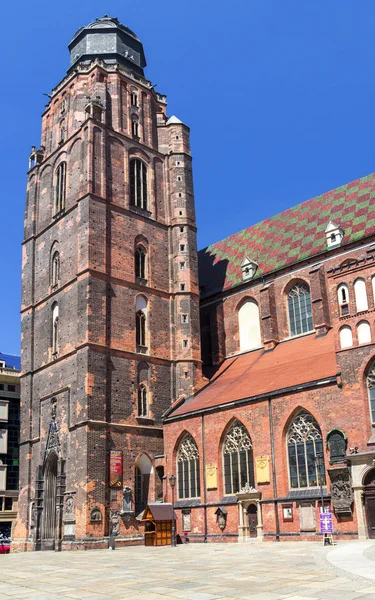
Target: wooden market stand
(157, 518)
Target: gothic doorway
(49, 503)
(369, 498)
(253, 520)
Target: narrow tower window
(55, 270)
(140, 263)
(141, 323)
(134, 98)
(135, 128)
(60, 188)
(142, 401)
(55, 329)
(138, 183)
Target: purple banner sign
(326, 523)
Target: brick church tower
(110, 324)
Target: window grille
(138, 184)
(304, 442)
(238, 459)
(188, 469)
(299, 309)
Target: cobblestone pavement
(294, 570)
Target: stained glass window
(299, 309)
(188, 469)
(304, 442)
(238, 459)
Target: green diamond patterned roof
(291, 236)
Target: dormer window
(334, 235)
(249, 268)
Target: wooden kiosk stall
(157, 518)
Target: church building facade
(285, 423)
(117, 327)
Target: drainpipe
(204, 483)
(274, 471)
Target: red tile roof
(291, 236)
(292, 363)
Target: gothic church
(254, 385)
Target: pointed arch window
(142, 401)
(134, 98)
(62, 133)
(55, 269)
(140, 263)
(237, 459)
(55, 329)
(138, 183)
(299, 309)
(60, 188)
(371, 391)
(304, 442)
(141, 324)
(188, 469)
(135, 128)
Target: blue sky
(279, 95)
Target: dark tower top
(108, 39)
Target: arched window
(141, 322)
(138, 183)
(360, 295)
(238, 459)
(249, 326)
(188, 469)
(135, 128)
(143, 470)
(62, 133)
(134, 98)
(55, 269)
(142, 401)
(55, 329)
(343, 298)
(140, 263)
(363, 332)
(60, 187)
(299, 309)
(373, 287)
(304, 442)
(346, 337)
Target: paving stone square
(293, 570)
